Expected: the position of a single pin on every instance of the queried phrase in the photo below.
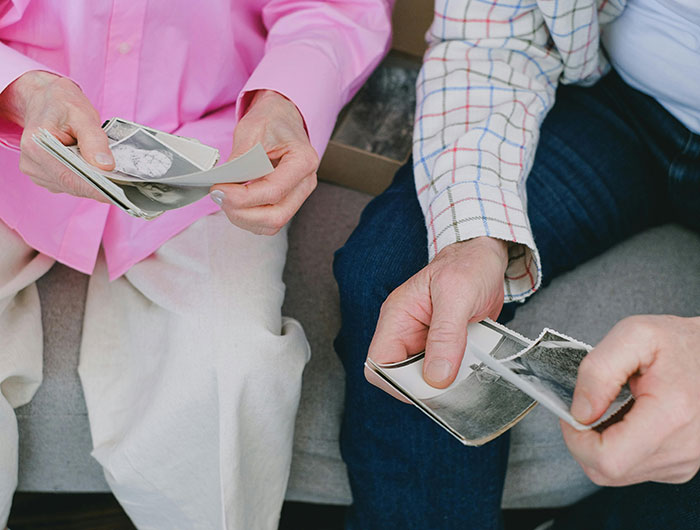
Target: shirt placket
(121, 73)
(121, 77)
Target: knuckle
(25, 166)
(682, 415)
(448, 276)
(595, 476)
(389, 303)
(65, 84)
(26, 143)
(591, 365)
(445, 332)
(232, 201)
(275, 194)
(39, 182)
(691, 472)
(278, 219)
(684, 476)
(395, 296)
(638, 325)
(311, 159)
(627, 324)
(66, 180)
(260, 230)
(311, 183)
(610, 469)
(232, 216)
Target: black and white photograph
(480, 404)
(143, 156)
(201, 155)
(153, 196)
(116, 129)
(551, 367)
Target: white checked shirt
(488, 80)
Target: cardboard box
(367, 161)
(411, 21)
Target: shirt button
(124, 48)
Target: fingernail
(581, 409)
(217, 196)
(104, 159)
(438, 370)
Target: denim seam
(675, 162)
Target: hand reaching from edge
(659, 438)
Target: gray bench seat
(655, 272)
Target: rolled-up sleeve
(317, 54)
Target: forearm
(480, 105)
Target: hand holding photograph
(547, 371)
(156, 171)
(502, 376)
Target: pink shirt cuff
(14, 64)
(306, 76)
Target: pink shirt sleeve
(13, 65)
(317, 54)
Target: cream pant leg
(21, 348)
(192, 380)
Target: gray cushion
(54, 434)
(322, 226)
(655, 272)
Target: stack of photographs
(503, 375)
(156, 171)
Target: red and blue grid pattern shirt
(488, 79)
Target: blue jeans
(610, 163)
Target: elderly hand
(463, 284)
(39, 99)
(659, 438)
(265, 205)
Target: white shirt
(655, 47)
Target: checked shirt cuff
(466, 210)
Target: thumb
(447, 340)
(93, 144)
(606, 369)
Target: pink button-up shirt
(182, 67)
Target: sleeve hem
(308, 78)
(451, 219)
(14, 66)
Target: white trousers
(191, 376)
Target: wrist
(494, 246)
(270, 99)
(15, 99)
(498, 246)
